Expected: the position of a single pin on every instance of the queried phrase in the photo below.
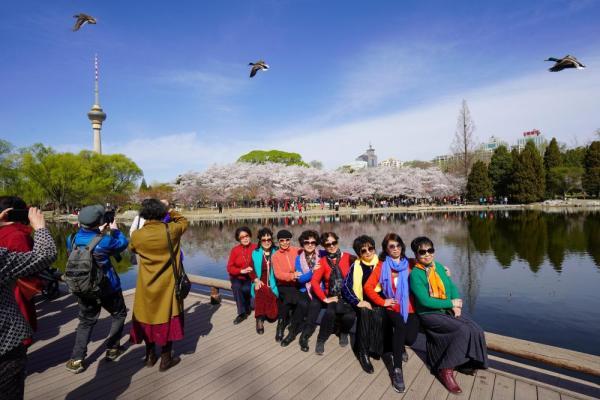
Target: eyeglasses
(394, 247)
(366, 250)
(331, 244)
(422, 252)
(284, 240)
(310, 242)
(243, 237)
(266, 240)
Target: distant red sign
(534, 132)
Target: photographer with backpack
(92, 278)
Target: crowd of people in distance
(381, 300)
(385, 298)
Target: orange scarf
(436, 286)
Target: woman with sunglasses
(388, 287)
(333, 269)
(284, 265)
(304, 318)
(369, 337)
(240, 270)
(454, 340)
(264, 290)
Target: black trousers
(402, 333)
(241, 294)
(288, 301)
(12, 373)
(89, 311)
(304, 317)
(369, 330)
(340, 313)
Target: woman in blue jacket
(304, 318)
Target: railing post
(215, 297)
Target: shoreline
(255, 213)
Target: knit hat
(284, 234)
(91, 215)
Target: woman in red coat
(240, 271)
(333, 268)
(387, 287)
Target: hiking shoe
(75, 366)
(320, 348)
(343, 339)
(114, 353)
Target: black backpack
(82, 273)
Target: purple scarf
(307, 268)
(385, 280)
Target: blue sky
(174, 76)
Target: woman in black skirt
(454, 340)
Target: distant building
(369, 157)
(358, 164)
(534, 136)
(492, 145)
(391, 162)
(443, 159)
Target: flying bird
(82, 19)
(258, 66)
(565, 62)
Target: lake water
(526, 274)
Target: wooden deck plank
(361, 384)
(438, 391)
(525, 391)
(483, 386)
(466, 383)
(420, 386)
(504, 388)
(334, 388)
(410, 375)
(547, 394)
(316, 386)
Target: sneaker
(75, 366)
(114, 353)
(320, 348)
(343, 339)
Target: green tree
(552, 160)
(591, 178)
(478, 184)
(567, 179)
(574, 157)
(143, 185)
(274, 156)
(500, 171)
(528, 180)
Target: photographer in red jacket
(15, 235)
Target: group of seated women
(389, 297)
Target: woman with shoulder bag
(157, 308)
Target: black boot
(280, 330)
(292, 333)
(303, 342)
(365, 362)
(398, 380)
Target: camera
(20, 215)
(109, 216)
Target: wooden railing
(543, 353)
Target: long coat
(155, 301)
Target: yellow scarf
(437, 289)
(357, 275)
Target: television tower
(96, 115)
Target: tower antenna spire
(96, 115)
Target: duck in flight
(567, 61)
(258, 66)
(82, 19)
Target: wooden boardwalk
(224, 361)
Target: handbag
(182, 282)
